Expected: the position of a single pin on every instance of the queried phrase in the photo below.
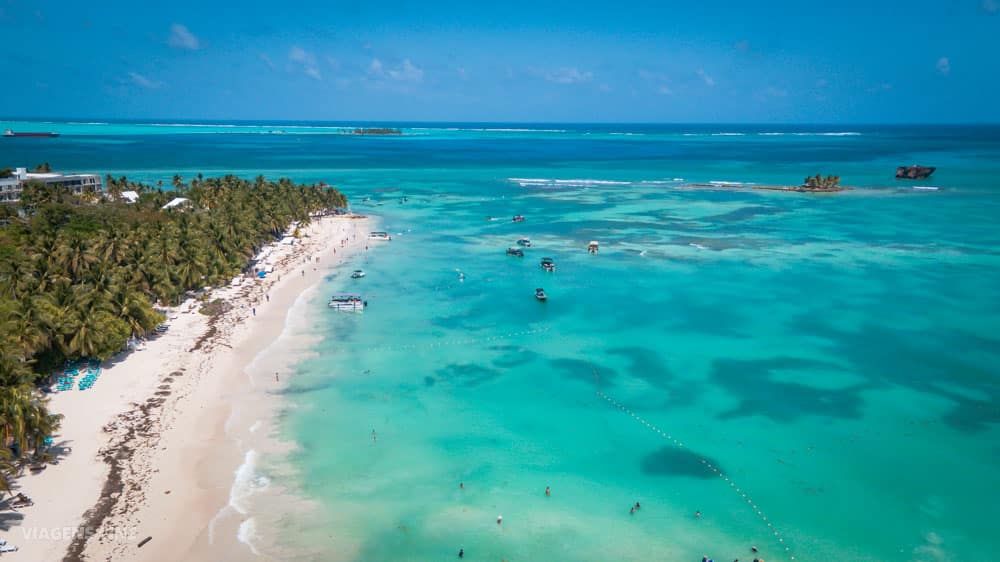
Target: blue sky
(628, 61)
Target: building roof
(175, 202)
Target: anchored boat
(540, 294)
(11, 133)
(548, 264)
(518, 218)
(349, 302)
(516, 252)
(379, 236)
(358, 274)
(526, 242)
(592, 247)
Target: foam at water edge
(247, 532)
(246, 483)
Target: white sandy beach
(147, 452)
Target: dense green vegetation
(79, 277)
(819, 182)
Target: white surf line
(732, 485)
(467, 341)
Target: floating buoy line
(732, 485)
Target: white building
(11, 188)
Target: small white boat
(540, 294)
(518, 218)
(592, 247)
(526, 242)
(548, 264)
(358, 274)
(379, 236)
(348, 302)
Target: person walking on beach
(254, 311)
(276, 376)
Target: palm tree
(76, 257)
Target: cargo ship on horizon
(12, 133)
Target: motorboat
(540, 294)
(548, 264)
(518, 218)
(349, 302)
(526, 242)
(517, 252)
(379, 236)
(592, 247)
(358, 274)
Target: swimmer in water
(461, 485)
(548, 492)
(697, 515)
(753, 549)
(461, 553)
(631, 510)
(499, 519)
(637, 506)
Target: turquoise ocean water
(825, 365)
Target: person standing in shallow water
(548, 492)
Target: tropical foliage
(78, 279)
(819, 182)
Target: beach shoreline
(158, 419)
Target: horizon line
(204, 120)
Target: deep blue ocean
(813, 374)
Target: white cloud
(776, 92)
(140, 80)
(568, 75)
(181, 38)
(304, 61)
(743, 45)
(405, 71)
(462, 73)
(266, 60)
(604, 88)
(943, 66)
(709, 81)
(298, 54)
(990, 6)
(883, 87)
(664, 91)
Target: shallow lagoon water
(834, 356)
